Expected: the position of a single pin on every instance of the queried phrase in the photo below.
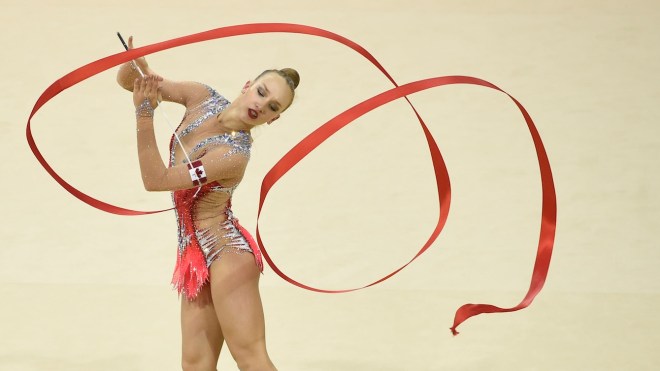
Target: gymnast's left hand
(146, 88)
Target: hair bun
(291, 74)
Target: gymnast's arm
(158, 177)
(185, 93)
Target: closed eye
(276, 105)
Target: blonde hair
(290, 75)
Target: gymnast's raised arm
(185, 93)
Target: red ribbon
(313, 140)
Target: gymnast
(218, 263)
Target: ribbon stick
(316, 138)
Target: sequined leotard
(207, 227)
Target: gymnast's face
(264, 99)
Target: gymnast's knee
(253, 356)
(194, 361)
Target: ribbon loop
(316, 138)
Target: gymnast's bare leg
(235, 293)
(201, 336)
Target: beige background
(84, 290)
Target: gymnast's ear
(246, 86)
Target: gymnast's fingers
(152, 90)
(143, 85)
(152, 87)
(138, 90)
(137, 86)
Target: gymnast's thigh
(236, 298)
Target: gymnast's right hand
(129, 70)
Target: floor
(86, 290)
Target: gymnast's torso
(207, 228)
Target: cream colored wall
(84, 290)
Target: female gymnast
(218, 263)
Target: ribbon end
(453, 331)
